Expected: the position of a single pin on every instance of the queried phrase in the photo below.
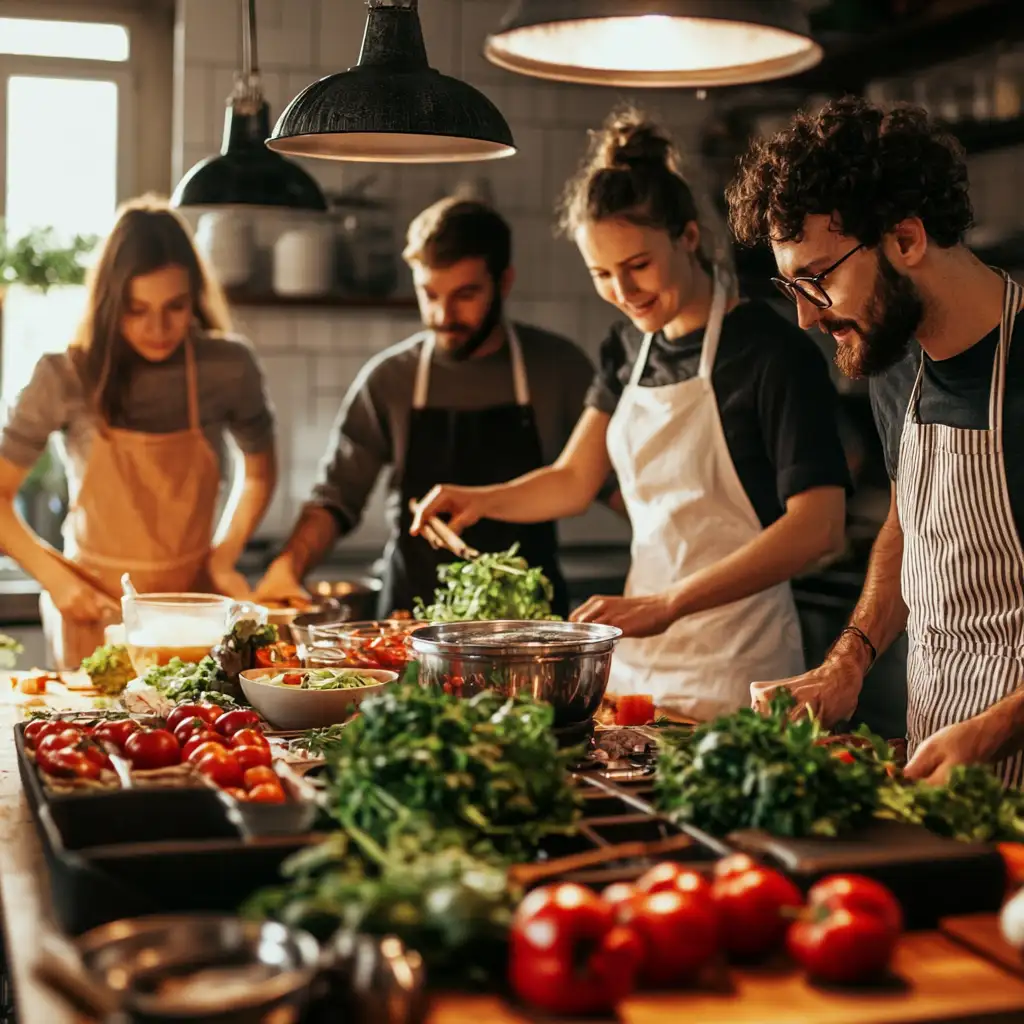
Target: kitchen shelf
(241, 297)
(944, 31)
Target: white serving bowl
(291, 707)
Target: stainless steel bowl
(563, 663)
(155, 967)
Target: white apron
(689, 510)
(963, 566)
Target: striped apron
(963, 565)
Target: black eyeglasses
(810, 287)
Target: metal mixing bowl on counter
(563, 663)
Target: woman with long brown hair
(141, 403)
(718, 418)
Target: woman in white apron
(718, 420)
(140, 401)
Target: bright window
(80, 40)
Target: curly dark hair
(868, 167)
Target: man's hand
(988, 737)
(635, 616)
(225, 578)
(830, 691)
(281, 584)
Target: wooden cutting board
(935, 979)
(980, 934)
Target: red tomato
(753, 905)
(231, 721)
(857, 893)
(734, 864)
(215, 747)
(846, 947)
(843, 755)
(189, 727)
(208, 712)
(568, 954)
(278, 655)
(667, 876)
(94, 752)
(680, 932)
(619, 892)
(223, 769)
(67, 762)
(236, 794)
(634, 709)
(116, 733)
(249, 738)
(389, 652)
(39, 729)
(259, 776)
(252, 757)
(152, 748)
(292, 679)
(58, 740)
(265, 793)
(198, 739)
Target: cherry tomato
(634, 709)
(223, 769)
(116, 733)
(857, 893)
(278, 655)
(252, 757)
(68, 762)
(680, 932)
(844, 755)
(569, 956)
(845, 947)
(58, 741)
(292, 679)
(208, 712)
(668, 875)
(152, 748)
(756, 910)
(198, 739)
(265, 793)
(389, 652)
(236, 794)
(94, 752)
(734, 864)
(215, 747)
(249, 738)
(188, 727)
(39, 729)
(231, 721)
(619, 892)
(260, 775)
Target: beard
(894, 314)
(474, 337)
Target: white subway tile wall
(312, 355)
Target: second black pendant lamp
(392, 106)
(246, 172)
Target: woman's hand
(463, 505)
(79, 602)
(280, 583)
(225, 578)
(635, 616)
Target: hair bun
(628, 139)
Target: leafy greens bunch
(492, 586)
(488, 769)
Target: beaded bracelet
(858, 632)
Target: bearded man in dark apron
(866, 213)
(474, 397)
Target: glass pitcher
(158, 627)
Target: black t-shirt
(775, 398)
(956, 392)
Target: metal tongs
(440, 536)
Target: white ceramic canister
(227, 240)
(304, 261)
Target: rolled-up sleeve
(250, 419)
(359, 448)
(40, 409)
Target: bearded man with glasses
(866, 213)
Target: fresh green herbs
(451, 906)
(487, 767)
(187, 680)
(324, 679)
(748, 770)
(492, 586)
(972, 806)
(109, 668)
(237, 652)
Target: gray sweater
(371, 430)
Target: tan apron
(146, 506)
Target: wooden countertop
(936, 979)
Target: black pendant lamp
(246, 172)
(654, 43)
(392, 106)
